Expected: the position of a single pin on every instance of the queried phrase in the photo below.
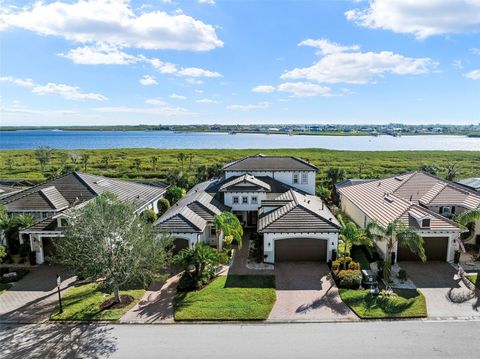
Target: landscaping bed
(407, 303)
(89, 302)
(4, 287)
(228, 298)
(474, 279)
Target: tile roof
(55, 198)
(473, 183)
(297, 212)
(270, 163)
(237, 183)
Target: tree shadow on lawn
(250, 281)
(330, 299)
(390, 305)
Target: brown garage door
(179, 244)
(435, 249)
(300, 249)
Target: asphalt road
(401, 339)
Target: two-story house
(269, 194)
(50, 203)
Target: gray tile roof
(54, 197)
(238, 183)
(270, 163)
(297, 213)
(473, 183)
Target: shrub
(350, 279)
(354, 265)
(163, 205)
(149, 216)
(339, 263)
(402, 275)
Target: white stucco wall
(228, 199)
(270, 238)
(284, 177)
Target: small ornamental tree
(228, 224)
(351, 235)
(163, 206)
(174, 193)
(106, 240)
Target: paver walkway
(32, 299)
(444, 290)
(239, 265)
(157, 304)
(306, 291)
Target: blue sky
(239, 62)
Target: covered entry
(179, 244)
(300, 249)
(436, 249)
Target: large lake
(10, 140)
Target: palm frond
(468, 217)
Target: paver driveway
(306, 291)
(32, 299)
(444, 291)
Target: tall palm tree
(228, 224)
(398, 234)
(469, 217)
(351, 235)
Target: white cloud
(209, 2)
(160, 66)
(148, 80)
(114, 22)
(264, 89)
(246, 107)
(457, 64)
(304, 89)
(66, 91)
(198, 91)
(178, 97)
(473, 75)
(326, 46)
(207, 101)
(194, 81)
(421, 18)
(162, 111)
(344, 66)
(156, 101)
(475, 50)
(197, 72)
(99, 54)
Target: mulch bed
(125, 300)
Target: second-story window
(235, 199)
(254, 200)
(295, 178)
(304, 177)
(245, 200)
(426, 223)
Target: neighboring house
(269, 194)
(8, 190)
(50, 203)
(421, 200)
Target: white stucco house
(51, 201)
(422, 201)
(272, 195)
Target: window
(213, 231)
(254, 200)
(304, 177)
(45, 215)
(426, 223)
(235, 199)
(245, 200)
(446, 211)
(295, 178)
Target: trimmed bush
(354, 265)
(350, 279)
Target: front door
(252, 218)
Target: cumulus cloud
(347, 65)
(420, 18)
(66, 91)
(326, 46)
(207, 101)
(246, 107)
(114, 22)
(148, 80)
(264, 89)
(156, 101)
(197, 72)
(99, 54)
(473, 75)
(209, 2)
(304, 89)
(178, 97)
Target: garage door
(300, 249)
(179, 244)
(435, 249)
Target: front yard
(83, 303)
(233, 297)
(408, 303)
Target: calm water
(134, 139)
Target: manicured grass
(474, 279)
(357, 164)
(4, 287)
(408, 304)
(83, 303)
(228, 298)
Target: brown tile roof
(270, 163)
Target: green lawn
(83, 303)
(228, 298)
(4, 287)
(408, 304)
(473, 278)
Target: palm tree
(200, 257)
(452, 170)
(228, 224)
(351, 235)
(335, 174)
(469, 218)
(181, 158)
(396, 233)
